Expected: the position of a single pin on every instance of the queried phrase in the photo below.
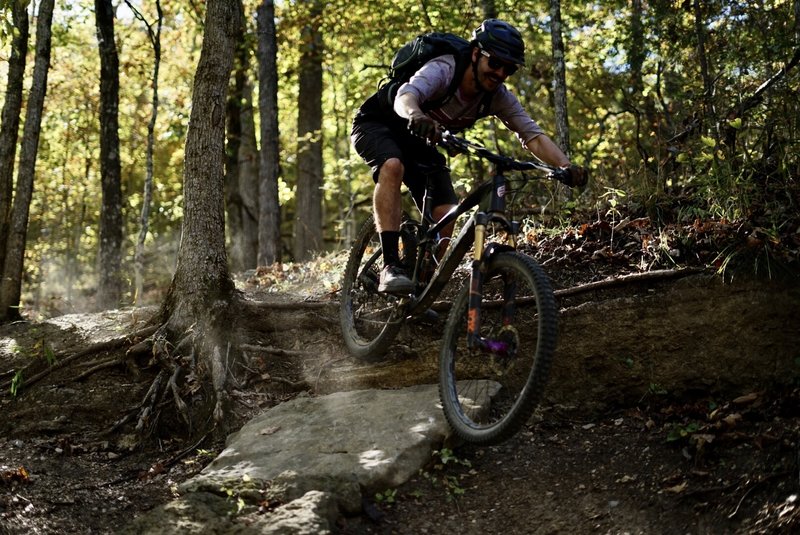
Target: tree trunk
(636, 50)
(147, 197)
(109, 287)
(700, 36)
(249, 179)
(9, 132)
(195, 314)
(308, 212)
(269, 220)
(242, 169)
(489, 9)
(559, 78)
(201, 278)
(11, 286)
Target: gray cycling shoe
(395, 281)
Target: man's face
(490, 72)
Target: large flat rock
(315, 455)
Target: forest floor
(664, 465)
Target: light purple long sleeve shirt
(432, 81)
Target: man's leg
(387, 206)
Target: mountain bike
(500, 333)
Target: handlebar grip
(563, 175)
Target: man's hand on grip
(423, 126)
(575, 176)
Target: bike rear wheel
(508, 375)
(370, 320)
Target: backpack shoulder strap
(463, 62)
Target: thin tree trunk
(636, 48)
(242, 170)
(559, 78)
(11, 286)
(109, 287)
(249, 179)
(702, 58)
(308, 211)
(489, 9)
(269, 221)
(147, 197)
(9, 132)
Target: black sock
(389, 246)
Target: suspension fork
(482, 254)
(476, 284)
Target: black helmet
(500, 39)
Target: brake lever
(452, 144)
(561, 174)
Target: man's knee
(391, 172)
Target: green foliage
(16, 383)
(682, 432)
(641, 114)
(387, 497)
(445, 460)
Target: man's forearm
(406, 104)
(543, 148)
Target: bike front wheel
(489, 391)
(370, 320)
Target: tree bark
(109, 287)
(11, 286)
(308, 212)
(559, 78)
(9, 132)
(201, 278)
(233, 110)
(269, 220)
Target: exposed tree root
(62, 359)
(96, 367)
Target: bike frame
(473, 232)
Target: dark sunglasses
(496, 64)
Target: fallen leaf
(732, 419)
(19, 474)
(749, 398)
(677, 489)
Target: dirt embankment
(672, 408)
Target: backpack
(413, 55)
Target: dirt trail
(656, 460)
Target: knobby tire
(370, 320)
(507, 383)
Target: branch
(275, 351)
(661, 274)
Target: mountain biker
(399, 143)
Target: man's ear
(476, 54)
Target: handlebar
(460, 145)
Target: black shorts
(376, 141)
